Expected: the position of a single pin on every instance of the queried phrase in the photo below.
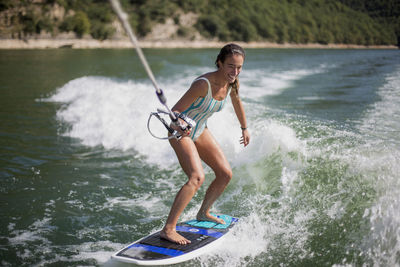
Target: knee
(196, 180)
(225, 175)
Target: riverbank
(95, 44)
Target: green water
(318, 186)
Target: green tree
(241, 29)
(297, 21)
(44, 24)
(67, 25)
(81, 24)
(29, 21)
(100, 30)
(212, 26)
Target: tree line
(362, 22)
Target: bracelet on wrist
(243, 128)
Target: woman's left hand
(245, 139)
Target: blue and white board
(153, 250)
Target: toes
(175, 238)
(185, 242)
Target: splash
(259, 83)
(106, 112)
(110, 113)
(382, 126)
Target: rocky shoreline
(125, 43)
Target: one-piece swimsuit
(202, 109)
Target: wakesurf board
(153, 250)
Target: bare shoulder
(199, 87)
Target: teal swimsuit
(202, 109)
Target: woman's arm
(240, 114)
(197, 89)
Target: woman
(206, 95)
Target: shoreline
(125, 43)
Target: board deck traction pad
(200, 233)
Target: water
(318, 185)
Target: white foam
(248, 239)
(100, 251)
(310, 98)
(11, 226)
(381, 158)
(147, 202)
(259, 83)
(269, 137)
(372, 153)
(263, 233)
(383, 120)
(35, 232)
(111, 113)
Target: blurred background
(370, 22)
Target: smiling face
(231, 67)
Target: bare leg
(191, 164)
(211, 153)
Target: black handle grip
(161, 97)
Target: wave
(383, 119)
(101, 111)
(106, 112)
(263, 82)
(381, 157)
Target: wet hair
(230, 50)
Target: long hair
(229, 50)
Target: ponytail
(235, 86)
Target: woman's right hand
(183, 128)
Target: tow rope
(174, 116)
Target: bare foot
(208, 217)
(174, 237)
